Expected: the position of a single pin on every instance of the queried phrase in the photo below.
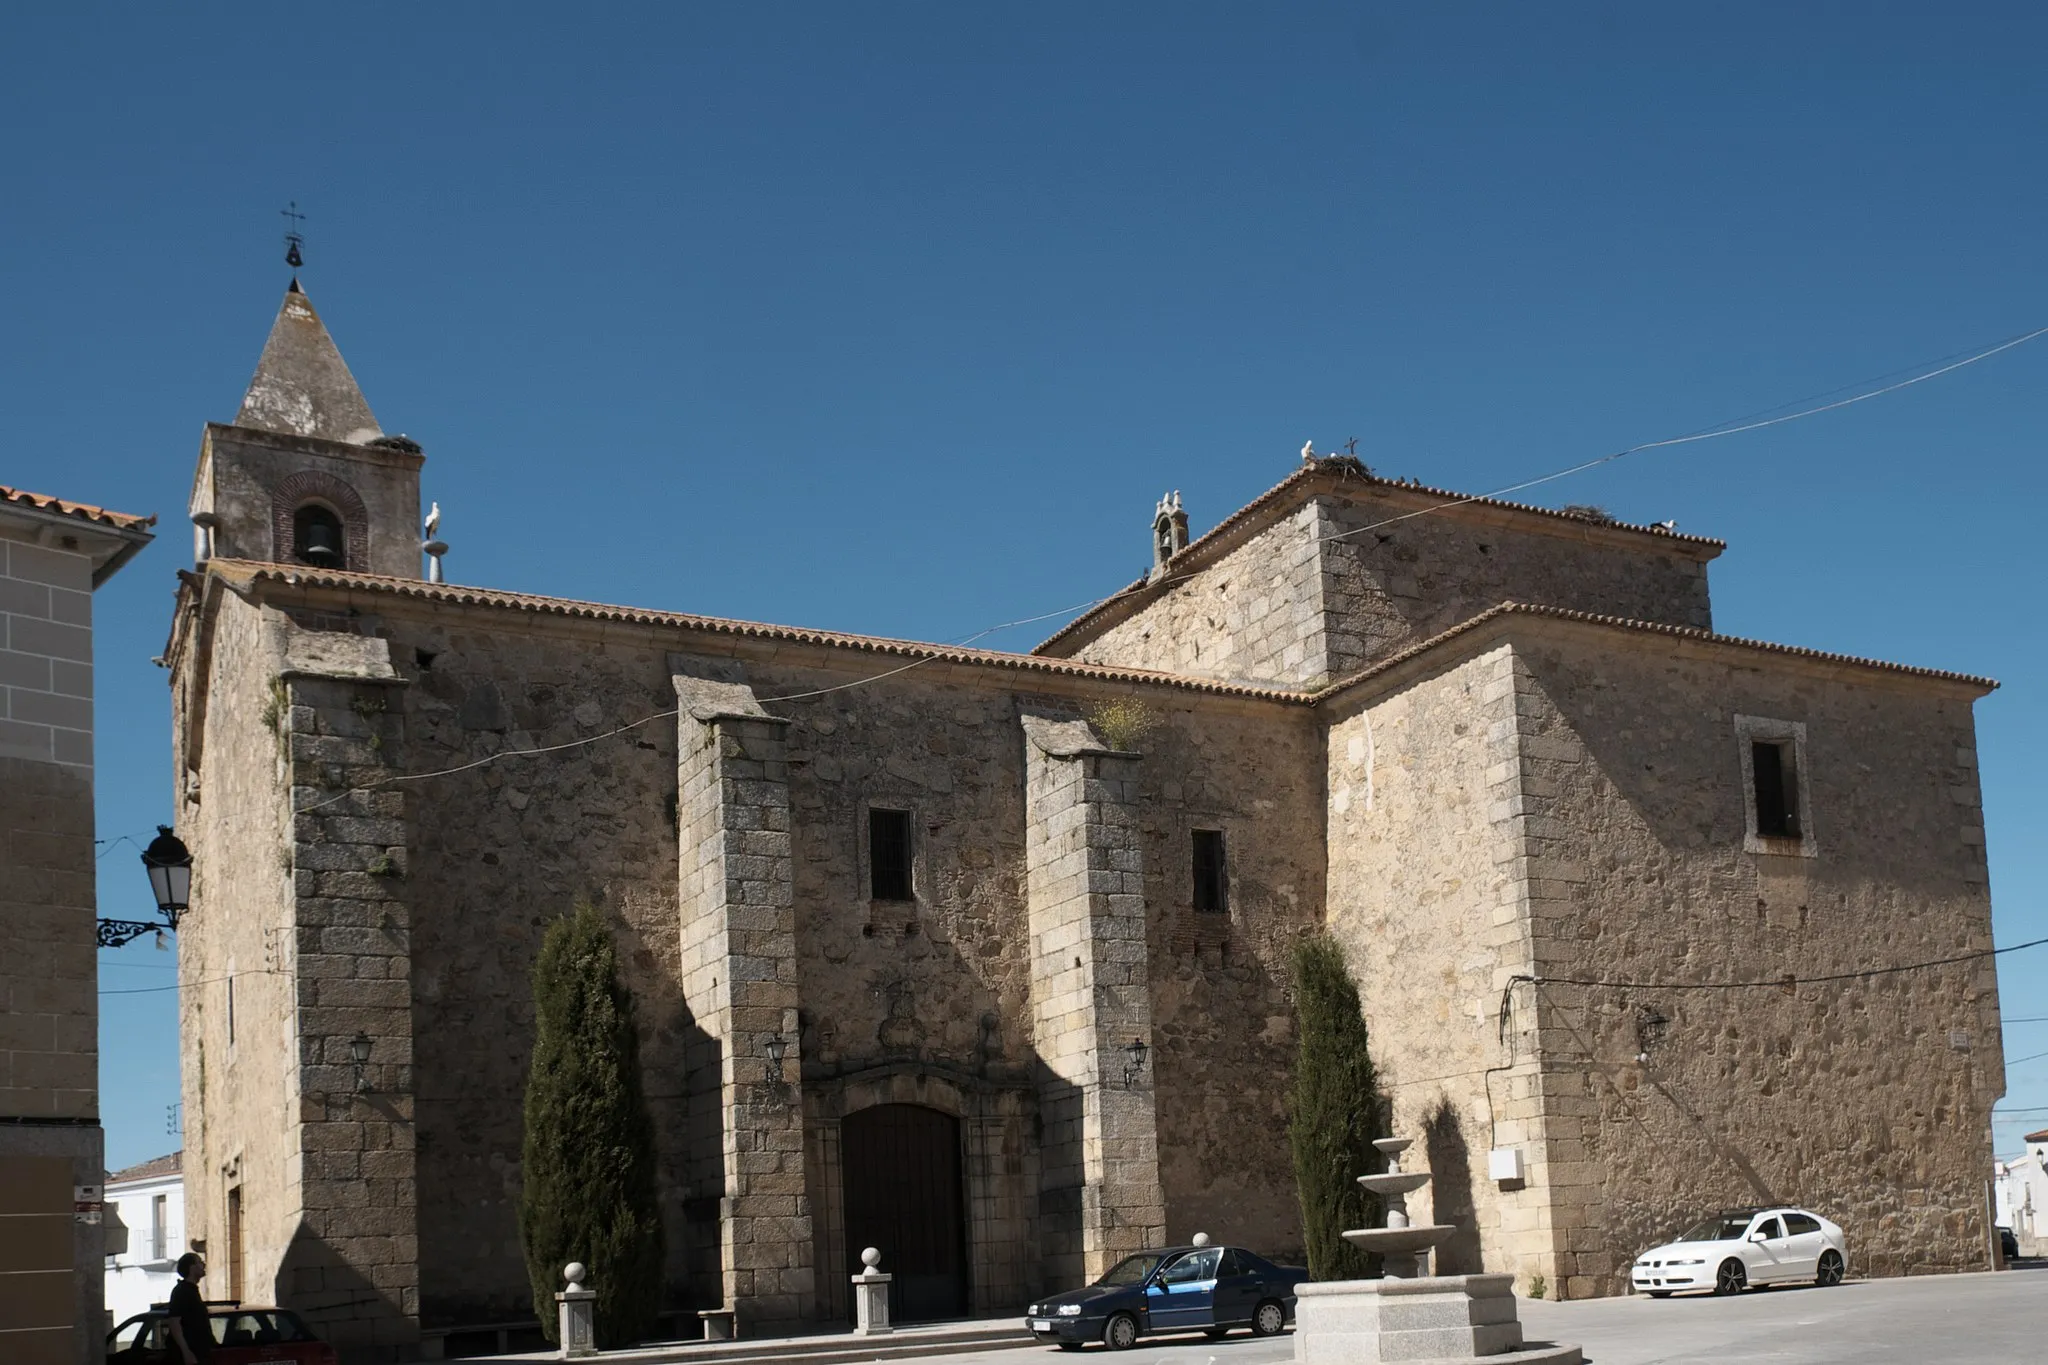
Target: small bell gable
(304, 474)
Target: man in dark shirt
(189, 1331)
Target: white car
(1741, 1247)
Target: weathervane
(293, 239)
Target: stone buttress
(1099, 1192)
(352, 1265)
(739, 981)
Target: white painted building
(150, 1199)
(2020, 1193)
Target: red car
(241, 1336)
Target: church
(981, 958)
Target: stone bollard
(575, 1314)
(871, 1297)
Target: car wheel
(1829, 1271)
(1658, 1293)
(1268, 1318)
(1731, 1278)
(1120, 1333)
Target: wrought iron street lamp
(1134, 1061)
(776, 1047)
(359, 1052)
(169, 865)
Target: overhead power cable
(673, 711)
(1733, 428)
(203, 981)
(1738, 426)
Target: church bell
(321, 543)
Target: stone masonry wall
(1870, 1100)
(353, 1266)
(1401, 583)
(1223, 1040)
(1255, 616)
(246, 474)
(497, 853)
(927, 1000)
(740, 980)
(49, 1052)
(1296, 607)
(1426, 897)
(51, 1286)
(235, 953)
(1091, 991)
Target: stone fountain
(1411, 1315)
(1403, 1248)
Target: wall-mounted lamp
(1134, 1061)
(776, 1047)
(359, 1052)
(169, 865)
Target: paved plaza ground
(1962, 1318)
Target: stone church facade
(935, 950)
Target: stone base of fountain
(1427, 1320)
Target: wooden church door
(903, 1197)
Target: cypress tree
(1335, 1114)
(588, 1159)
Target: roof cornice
(117, 537)
(248, 577)
(245, 575)
(1495, 622)
(1345, 474)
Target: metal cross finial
(293, 239)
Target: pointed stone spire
(302, 385)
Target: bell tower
(304, 475)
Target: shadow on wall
(362, 1322)
(682, 1069)
(1450, 1170)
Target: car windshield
(260, 1327)
(1131, 1270)
(1722, 1227)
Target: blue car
(1175, 1289)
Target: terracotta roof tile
(42, 502)
(1642, 627)
(561, 606)
(1345, 468)
(250, 572)
(153, 1169)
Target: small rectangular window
(159, 1230)
(1775, 766)
(1212, 878)
(889, 855)
(231, 1011)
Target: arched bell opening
(318, 538)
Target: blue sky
(898, 317)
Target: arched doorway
(902, 1195)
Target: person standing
(189, 1330)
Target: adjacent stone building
(981, 958)
(53, 554)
